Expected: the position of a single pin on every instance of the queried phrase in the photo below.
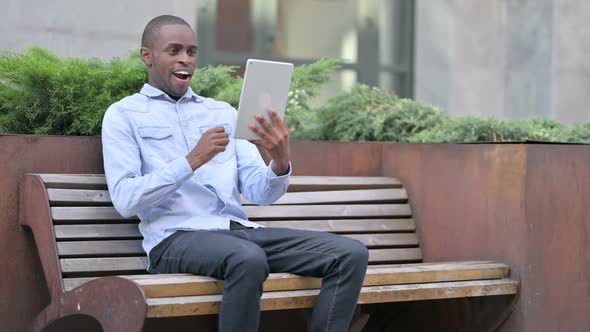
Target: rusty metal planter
(524, 204)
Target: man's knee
(358, 253)
(249, 261)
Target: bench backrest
(93, 240)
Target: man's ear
(146, 56)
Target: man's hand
(211, 143)
(275, 140)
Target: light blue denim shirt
(146, 138)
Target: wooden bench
(94, 263)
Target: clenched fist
(211, 143)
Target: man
(170, 158)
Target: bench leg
(44, 318)
(360, 319)
(116, 303)
(359, 324)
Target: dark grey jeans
(244, 257)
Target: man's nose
(185, 58)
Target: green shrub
(580, 132)
(371, 114)
(218, 82)
(474, 129)
(41, 93)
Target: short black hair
(154, 26)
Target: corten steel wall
(557, 273)
(527, 205)
(22, 286)
(331, 158)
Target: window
(373, 37)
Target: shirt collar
(150, 91)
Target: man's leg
(223, 255)
(340, 261)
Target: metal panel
(557, 289)
(23, 288)
(468, 202)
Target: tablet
(266, 85)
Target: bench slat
(86, 213)
(117, 231)
(168, 285)
(187, 285)
(386, 239)
(209, 304)
(126, 231)
(319, 183)
(257, 212)
(99, 248)
(297, 183)
(347, 225)
(125, 264)
(395, 255)
(328, 211)
(133, 247)
(103, 264)
(344, 197)
(82, 181)
(78, 196)
(102, 197)
(121, 230)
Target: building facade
(499, 58)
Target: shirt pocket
(157, 133)
(156, 141)
(230, 149)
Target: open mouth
(182, 75)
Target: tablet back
(266, 85)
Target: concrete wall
(573, 68)
(507, 59)
(83, 28)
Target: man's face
(172, 59)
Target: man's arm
(131, 191)
(265, 185)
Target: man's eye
(173, 51)
(192, 52)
